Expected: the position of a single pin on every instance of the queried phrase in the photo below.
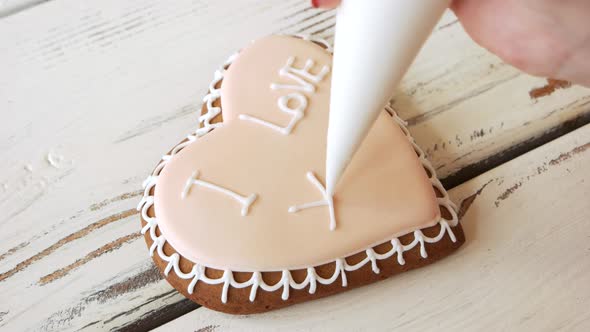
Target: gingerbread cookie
(237, 216)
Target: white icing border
(197, 273)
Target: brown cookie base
(238, 299)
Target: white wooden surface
(93, 92)
(525, 265)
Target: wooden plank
(94, 92)
(524, 266)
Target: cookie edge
(286, 282)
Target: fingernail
(315, 3)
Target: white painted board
(93, 92)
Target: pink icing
(383, 194)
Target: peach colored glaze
(383, 194)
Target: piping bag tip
(375, 43)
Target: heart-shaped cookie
(241, 214)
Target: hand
(549, 38)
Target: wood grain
(93, 92)
(524, 266)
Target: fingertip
(326, 4)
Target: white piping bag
(375, 43)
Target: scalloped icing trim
(286, 282)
